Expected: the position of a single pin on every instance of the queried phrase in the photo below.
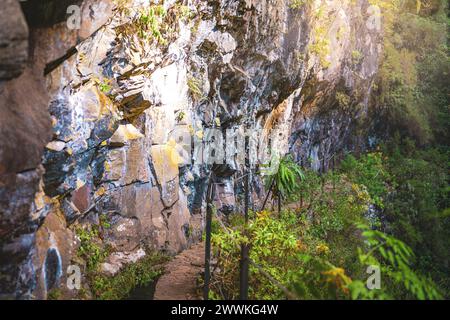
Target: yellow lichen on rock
(165, 161)
(125, 133)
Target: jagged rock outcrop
(99, 142)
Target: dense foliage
(412, 96)
(322, 249)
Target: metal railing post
(209, 213)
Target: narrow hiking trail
(179, 282)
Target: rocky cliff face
(89, 116)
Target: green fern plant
(286, 181)
(395, 259)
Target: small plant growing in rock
(90, 250)
(139, 274)
(195, 26)
(343, 100)
(321, 46)
(180, 116)
(357, 56)
(104, 85)
(297, 4)
(104, 222)
(183, 12)
(299, 56)
(54, 294)
(149, 23)
(194, 87)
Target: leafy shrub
(369, 171)
(139, 274)
(322, 249)
(105, 287)
(91, 249)
(394, 259)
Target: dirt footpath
(180, 279)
